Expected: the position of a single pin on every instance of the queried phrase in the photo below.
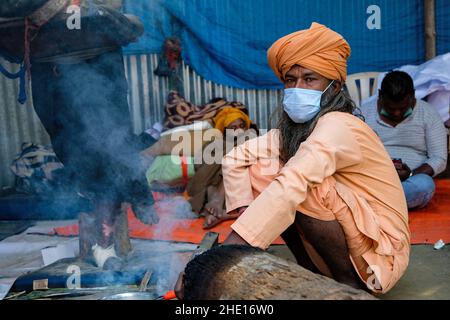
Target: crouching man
(323, 180)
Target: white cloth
(103, 254)
(198, 125)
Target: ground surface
(427, 277)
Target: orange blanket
(168, 229)
(427, 225)
(432, 223)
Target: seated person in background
(205, 189)
(412, 133)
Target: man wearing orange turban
(333, 193)
(225, 118)
(317, 48)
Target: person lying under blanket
(179, 112)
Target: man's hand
(235, 238)
(241, 210)
(403, 170)
(145, 212)
(426, 169)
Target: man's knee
(423, 183)
(419, 189)
(314, 228)
(428, 183)
(320, 201)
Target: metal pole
(430, 29)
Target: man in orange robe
(322, 180)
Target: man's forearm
(425, 168)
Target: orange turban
(317, 48)
(228, 115)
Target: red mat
(169, 228)
(432, 223)
(427, 225)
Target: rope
(22, 97)
(33, 23)
(184, 170)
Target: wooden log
(116, 4)
(430, 29)
(91, 231)
(87, 231)
(235, 272)
(122, 241)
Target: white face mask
(302, 104)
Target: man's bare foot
(145, 211)
(214, 207)
(213, 220)
(216, 201)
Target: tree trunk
(430, 29)
(245, 273)
(122, 239)
(87, 231)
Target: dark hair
(396, 85)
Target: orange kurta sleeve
(331, 147)
(258, 152)
(236, 176)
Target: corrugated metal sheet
(147, 96)
(148, 93)
(18, 124)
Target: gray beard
(292, 135)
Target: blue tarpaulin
(225, 41)
(443, 26)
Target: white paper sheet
(53, 254)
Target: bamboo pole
(430, 29)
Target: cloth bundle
(33, 168)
